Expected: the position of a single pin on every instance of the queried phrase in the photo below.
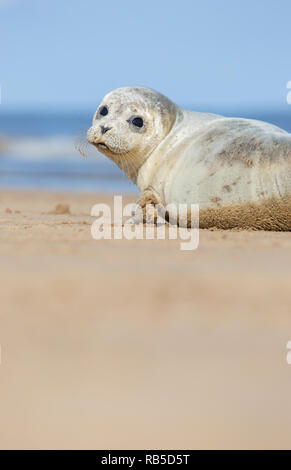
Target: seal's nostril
(105, 129)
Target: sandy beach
(136, 344)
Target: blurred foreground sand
(136, 344)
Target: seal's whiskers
(81, 143)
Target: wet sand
(136, 344)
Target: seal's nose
(105, 129)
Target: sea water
(39, 150)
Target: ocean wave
(37, 148)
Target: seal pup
(237, 170)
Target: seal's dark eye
(103, 111)
(137, 121)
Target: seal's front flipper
(150, 205)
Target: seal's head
(129, 124)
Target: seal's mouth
(101, 145)
(103, 148)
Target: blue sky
(67, 54)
